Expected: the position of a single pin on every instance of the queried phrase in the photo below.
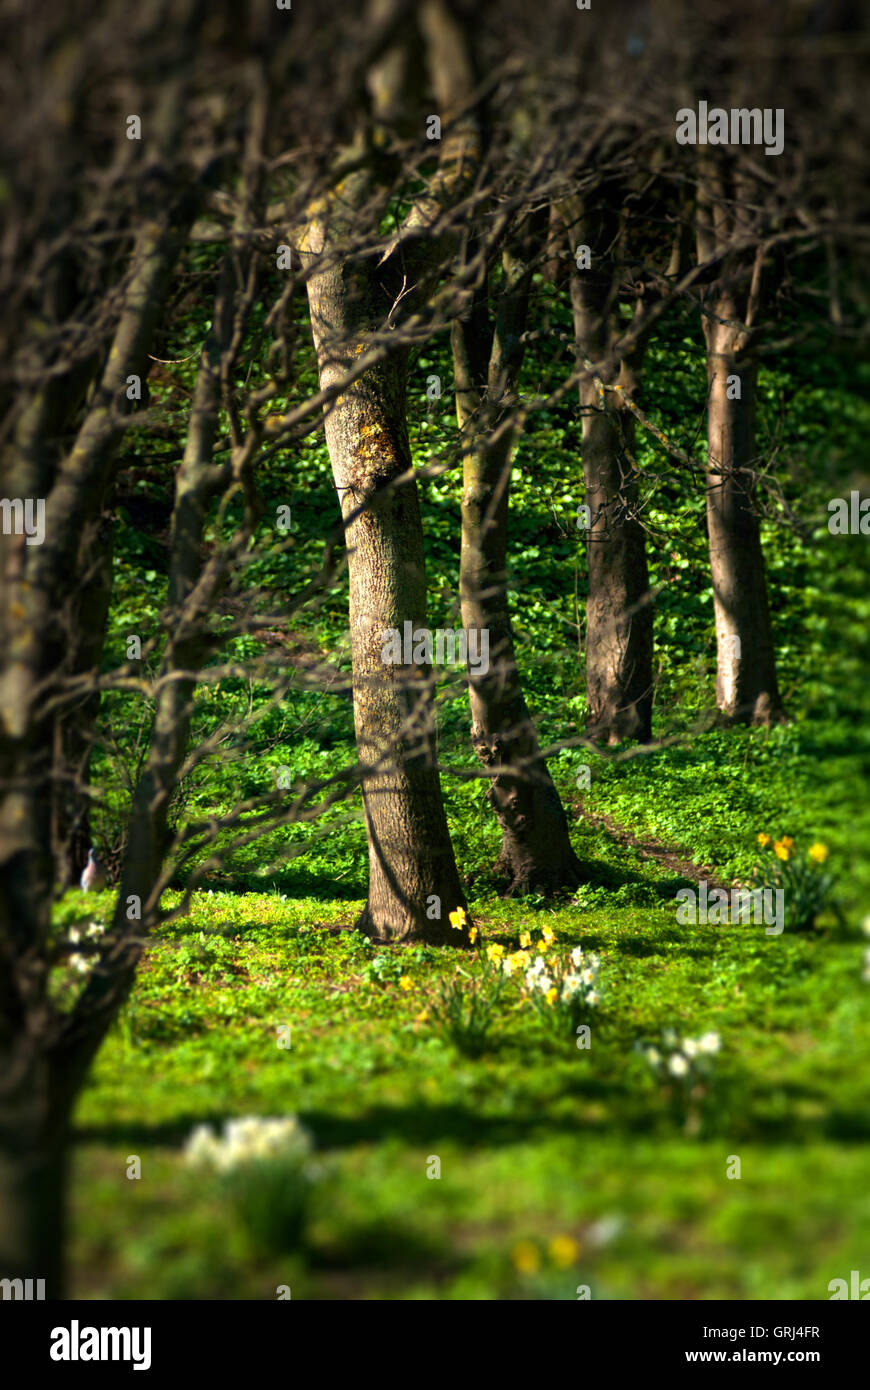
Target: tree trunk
(34, 1170)
(413, 879)
(619, 627)
(536, 853)
(44, 1054)
(619, 633)
(746, 684)
(73, 730)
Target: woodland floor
(560, 1167)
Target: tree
(71, 328)
(746, 681)
(619, 626)
(69, 368)
(357, 304)
(536, 853)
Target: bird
(93, 874)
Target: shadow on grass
(620, 1108)
(385, 1242)
(597, 874)
(296, 883)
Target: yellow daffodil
(763, 840)
(422, 1016)
(552, 995)
(406, 983)
(525, 939)
(473, 934)
(519, 960)
(548, 936)
(563, 1251)
(457, 918)
(787, 841)
(818, 853)
(780, 849)
(526, 1258)
(495, 951)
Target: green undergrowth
(560, 1166)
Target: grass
(559, 1168)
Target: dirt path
(648, 848)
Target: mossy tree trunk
(413, 880)
(357, 307)
(536, 853)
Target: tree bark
(73, 730)
(412, 870)
(413, 880)
(34, 1174)
(619, 628)
(747, 690)
(536, 853)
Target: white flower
(75, 935)
(79, 964)
(593, 997)
(669, 1037)
(602, 1232)
(247, 1140)
(709, 1043)
(589, 977)
(202, 1146)
(678, 1066)
(95, 930)
(653, 1056)
(537, 978)
(690, 1047)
